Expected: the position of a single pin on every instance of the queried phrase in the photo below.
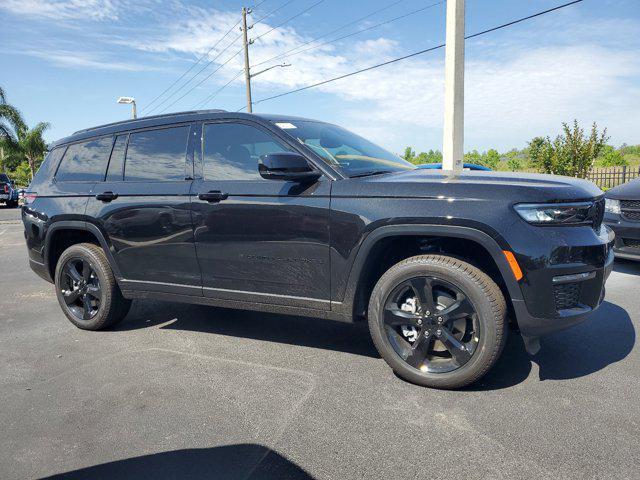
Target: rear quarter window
(85, 161)
(48, 167)
(157, 155)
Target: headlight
(612, 206)
(556, 213)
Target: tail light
(6, 188)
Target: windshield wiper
(369, 173)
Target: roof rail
(164, 115)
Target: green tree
(33, 146)
(572, 153)
(491, 159)
(409, 154)
(22, 174)
(11, 123)
(610, 157)
(514, 164)
(432, 156)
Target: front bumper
(627, 232)
(533, 327)
(565, 270)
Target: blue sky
(67, 61)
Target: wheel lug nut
(439, 332)
(426, 334)
(427, 313)
(419, 321)
(439, 319)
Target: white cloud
(83, 60)
(63, 9)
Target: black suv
(296, 216)
(622, 214)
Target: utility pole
(453, 138)
(246, 43)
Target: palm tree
(32, 145)
(17, 139)
(11, 120)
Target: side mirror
(288, 166)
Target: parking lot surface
(181, 391)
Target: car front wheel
(437, 321)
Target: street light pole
(132, 101)
(453, 137)
(246, 43)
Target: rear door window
(116, 163)
(157, 155)
(85, 161)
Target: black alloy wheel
(431, 324)
(437, 321)
(86, 288)
(80, 288)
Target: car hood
(425, 183)
(627, 191)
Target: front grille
(630, 209)
(598, 215)
(631, 243)
(566, 295)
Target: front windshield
(352, 154)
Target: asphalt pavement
(182, 391)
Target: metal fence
(613, 176)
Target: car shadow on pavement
(584, 349)
(626, 266)
(229, 462)
(606, 338)
(269, 327)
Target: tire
(456, 287)
(12, 204)
(106, 304)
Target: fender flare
(86, 227)
(467, 233)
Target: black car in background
(622, 214)
(290, 215)
(8, 192)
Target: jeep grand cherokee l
(622, 215)
(290, 215)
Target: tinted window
(85, 161)
(353, 154)
(232, 150)
(3, 178)
(157, 155)
(45, 172)
(116, 162)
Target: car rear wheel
(87, 290)
(437, 321)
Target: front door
(264, 241)
(143, 208)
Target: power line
(214, 94)
(484, 32)
(202, 81)
(333, 31)
(267, 15)
(313, 47)
(211, 61)
(191, 67)
(289, 19)
(197, 74)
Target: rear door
(143, 208)
(264, 241)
